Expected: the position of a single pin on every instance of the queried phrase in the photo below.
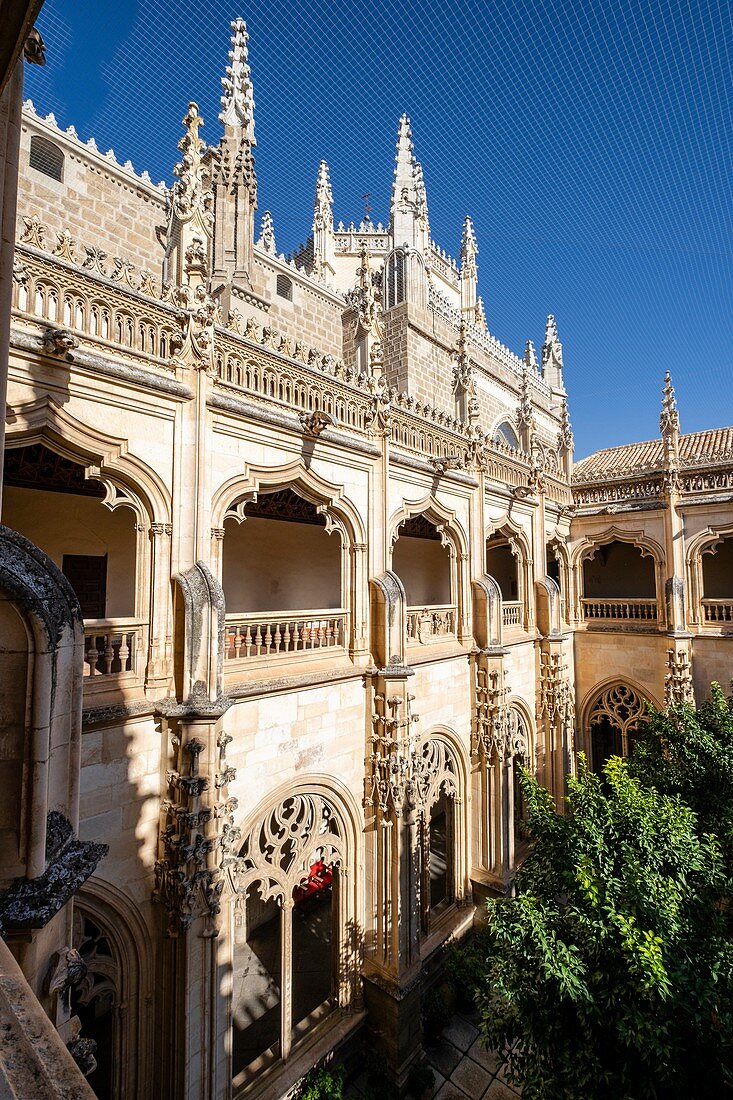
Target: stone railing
(430, 624)
(511, 613)
(620, 611)
(717, 612)
(315, 383)
(113, 647)
(482, 338)
(620, 492)
(57, 292)
(265, 634)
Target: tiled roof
(696, 449)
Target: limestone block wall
(313, 316)
(101, 203)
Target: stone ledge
(34, 1063)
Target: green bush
(323, 1083)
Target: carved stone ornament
(59, 341)
(678, 687)
(65, 247)
(95, 261)
(31, 903)
(197, 315)
(315, 423)
(34, 232)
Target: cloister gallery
(296, 569)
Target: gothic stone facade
(338, 577)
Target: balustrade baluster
(109, 654)
(123, 652)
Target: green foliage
(323, 1083)
(690, 753)
(610, 974)
(461, 967)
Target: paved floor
(464, 1068)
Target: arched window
(291, 930)
(438, 821)
(282, 577)
(717, 584)
(394, 283)
(504, 433)
(619, 584)
(423, 563)
(47, 158)
(285, 287)
(613, 720)
(95, 999)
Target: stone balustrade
(430, 624)
(717, 612)
(613, 610)
(511, 614)
(112, 647)
(264, 634)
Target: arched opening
(518, 741)
(283, 576)
(440, 848)
(717, 584)
(619, 584)
(94, 1000)
(505, 434)
(613, 720)
(439, 829)
(395, 279)
(47, 498)
(46, 157)
(290, 930)
(503, 564)
(423, 563)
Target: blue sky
(590, 142)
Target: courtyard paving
(463, 1067)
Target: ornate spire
(469, 248)
(238, 103)
(669, 426)
(366, 299)
(409, 210)
(481, 314)
(530, 356)
(267, 234)
(669, 420)
(323, 242)
(565, 441)
(552, 363)
(525, 412)
(190, 211)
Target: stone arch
(519, 613)
(453, 538)
(502, 431)
(444, 784)
(105, 458)
(586, 550)
(126, 974)
(47, 651)
(340, 515)
(705, 542)
(312, 816)
(557, 547)
(623, 701)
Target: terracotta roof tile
(696, 449)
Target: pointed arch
(609, 697)
(104, 457)
(451, 532)
(230, 499)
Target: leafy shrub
(323, 1083)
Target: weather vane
(367, 208)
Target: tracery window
(291, 930)
(95, 998)
(613, 721)
(505, 433)
(394, 283)
(438, 827)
